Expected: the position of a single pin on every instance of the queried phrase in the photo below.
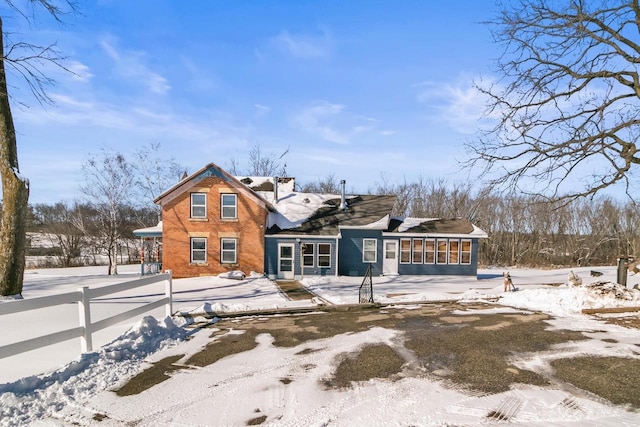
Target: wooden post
(169, 293)
(84, 314)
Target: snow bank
(36, 397)
(570, 300)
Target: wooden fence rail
(86, 328)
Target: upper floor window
(369, 250)
(198, 205)
(229, 206)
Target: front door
(285, 261)
(390, 261)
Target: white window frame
(445, 251)
(192, 251)
(198, 205)
(306, 255)
(433, 252)
(227, 206)
(323, 256)
(414, 251)
(223, 250)
(470, 251)
(401, 251)
(366, 250)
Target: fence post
(84, 314)
(168, 289)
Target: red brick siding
(248, 229)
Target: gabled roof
(207, 171)
(327, 219)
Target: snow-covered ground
(54, 386)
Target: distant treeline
(523, 231)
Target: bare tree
(567, 99)
(261, 163)
(154, 174)
(57, 222)
(108, 185)
(25, 60)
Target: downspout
(337, 253)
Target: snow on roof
(155, 231)
(408, 223)
(293, 209)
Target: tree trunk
(15, 195)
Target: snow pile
(234, 274)
(37, 397)
(570, 300)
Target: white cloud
(304, 46)
(80, 71)
(131, 64)
(459, 104)
(261, 110)
(331, 122)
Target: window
(198, 250)
(229, 206)
(369, 250)
(308, 254)
(429, 251)
(442, 251)
(417, 251)
(454, 248)
(198, 205)
(405, 251)
(324, 255)
(228, 251)
(465, 252)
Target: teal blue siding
(271, 256)
(350, 251)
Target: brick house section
(179, 227)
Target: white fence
(86, 328)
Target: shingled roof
(361, 211)
(433, 226)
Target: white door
(285, 261)
(390, 261)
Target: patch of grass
(226, 345)
(257, 421)
(476, 352)
(146, 379)
(613, 378)
(373, 361)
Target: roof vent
(343, 198)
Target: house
(345, 235)
(214, 222)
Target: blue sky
(357, 89)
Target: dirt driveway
(474, 348)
